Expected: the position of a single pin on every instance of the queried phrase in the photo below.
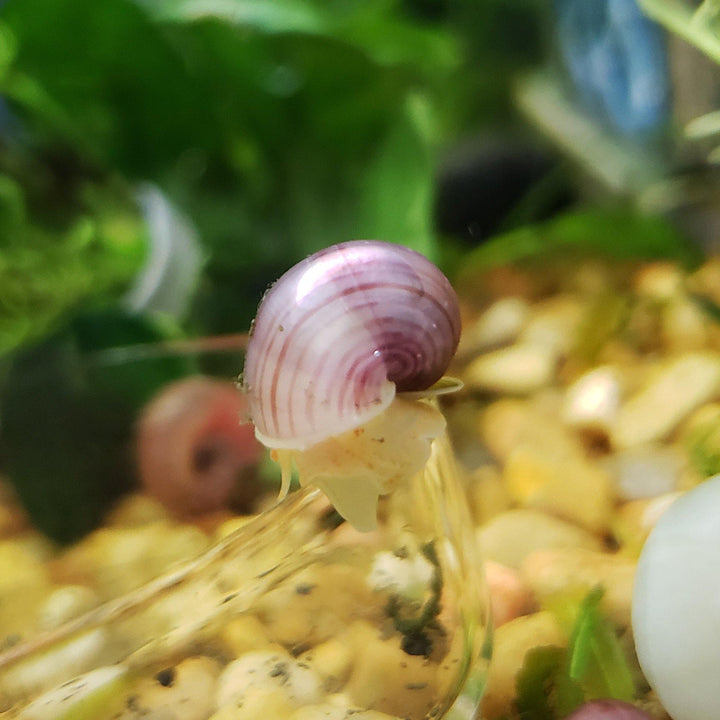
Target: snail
(192, 446)
(344, 350)
(608, 709)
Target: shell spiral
(339, 333)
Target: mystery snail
(343, 348)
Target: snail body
(335, 340)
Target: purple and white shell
(339, 334)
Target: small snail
(193, 445)
(608, 709)
(343, 348)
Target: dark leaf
(544, 690)
(617, 234)
(68, 420)
(397, 200)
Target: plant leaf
(696, 25)
(46, 274)
(396, 204)
(386, 37)
(555, 681)
(544, 689)
(69, 419)
(596, 659)
(74, 77)
(618, 234)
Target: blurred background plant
(277, 128)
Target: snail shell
(193, 448)
(608, 709)
(339, 334)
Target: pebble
(685, 326)
(510, 597)
(511, 537)
(96, 694)
(65, 603)
(332, 661)
(593, 400)
(519, 369)
(500, 324)
(58, 664)
(510, 423)
(24, 585)
(660, 281)
(268, 669)
(243, 634)
(635, 519)
(116, 560)
(321, 598)
(261, 703)
(487, 493)
(705, 281)
(553, 325)
(327, 711)
(574, 571)
(647, 471)
(384, 677)
(180, 692)
(667, 399)
(136, 509)
(575, 489)
(323, 711)
(512, 642)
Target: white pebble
(646, 472)
(268, 668)
(675, 613)
(409, 577)
(592, 401)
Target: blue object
(616, 60)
